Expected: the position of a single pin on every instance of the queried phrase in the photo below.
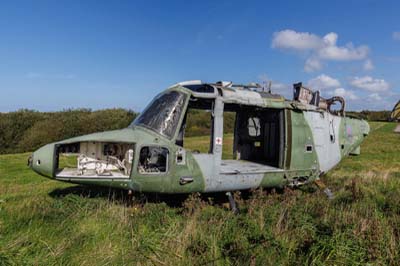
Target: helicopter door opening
(258, 140)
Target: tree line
(27, 130)
(372, 115)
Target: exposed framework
(307, 96)
(258, 135)
(91, 159)
(256, 95)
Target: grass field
(43, 222)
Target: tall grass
(43, 222)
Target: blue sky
(102, 54)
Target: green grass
(43, 222)
(202, 144)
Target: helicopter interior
(258, 137)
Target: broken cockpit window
(163, 113)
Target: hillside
(43, 222)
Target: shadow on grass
(121, 196)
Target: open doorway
(258, 140)
(259, 136)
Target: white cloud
(276, 86)
(318, 48)
(312, 64)
(331, 86)
(396, 35)
(370, 84)
(345, 53)
(347, 94)
(348, 53)
(368, 65)
(323, 82)
(380, 100)
(374, 97)
(290, 39)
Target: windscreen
(163, 113)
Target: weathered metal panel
(352, 133)
(246, 97)
(325, 129)
(302, 137)
(245, 167)
(229, 182)
(206, 164)
(43, 160)
(288, 137)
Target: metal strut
(325, 189)
(130, 199)
(232, 203)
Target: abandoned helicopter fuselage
(395, 116)
(277, 143)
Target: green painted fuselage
(310, 142)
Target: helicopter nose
(42, 161)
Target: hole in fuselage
(258, 135)
(309, 148)
(94, 160)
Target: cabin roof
(251, 94)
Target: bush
(27, 130)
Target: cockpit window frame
(197, 92)
(180, 119)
